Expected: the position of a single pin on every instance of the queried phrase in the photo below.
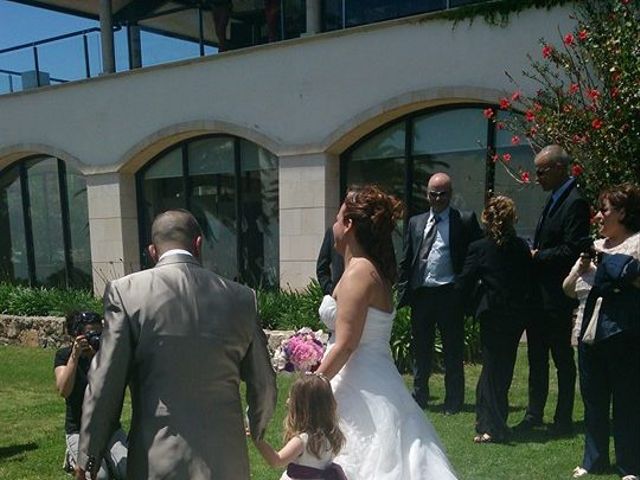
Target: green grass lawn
(32, 418)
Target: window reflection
(450, 140)
(13, 244)
(39, 248)
(231, 186)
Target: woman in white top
(609, 363)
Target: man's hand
(80, 474)
(534, 253)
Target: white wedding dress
(388, 435)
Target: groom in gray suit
(183, 338)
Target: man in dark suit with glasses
(561, 235)
(435, 247)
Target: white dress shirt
(439, 266)
(175, 251)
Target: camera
(93, 338)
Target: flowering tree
(589, 96)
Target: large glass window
(402, 156)
(231, 186)
(44, 223)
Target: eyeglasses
(543, 170)
(436, 195)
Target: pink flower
(488, 113)
(596, 124)
(547, 51)
(515, 140)
(529, 116)
(576, 170)
(504, 104)
(533, 132)
(515, 96)
(583, 35)
(525, 177)
(506, 157)
(574, 88)
(495, 157)
(500, 125)
(593, 94)
(569, 39)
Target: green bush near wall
(40, 302)
(279, 310)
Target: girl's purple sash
(332, 472)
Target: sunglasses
(543, 170)
(436, 195)
(88, 318)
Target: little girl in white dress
(312, 435)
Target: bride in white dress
(388, 436)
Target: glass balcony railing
(77, 55)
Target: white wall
(306, 100)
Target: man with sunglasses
(435, 247)
(561, 235)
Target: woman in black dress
(497, 272)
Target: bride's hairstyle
(312, 410)
(498, 218)
(374, 214)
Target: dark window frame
(61, 169)
(144, 235)
(409, 157)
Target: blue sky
(65, 59)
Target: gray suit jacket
(182, 337)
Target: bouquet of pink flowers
(301, 352)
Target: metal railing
(35, 51)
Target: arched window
(402, 155)
(45, 224)
(231, 186)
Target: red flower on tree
(515, 140)
(495, 157)
(488, 113)
(583, 35)
(533, 131)
(529, 116)
(576, 170)
(593, 94)
(504, 103)
(574, 88)
(569, 39)
(525, 177)
(500, 125)
(516, 96)
(506, 157)
(547, 51)
(596, 124)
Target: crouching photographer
(71, 367)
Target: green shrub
(279, 310)
(41, 301)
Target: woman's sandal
(483, 438)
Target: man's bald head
(175, 229)
(552, 167)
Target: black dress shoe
(527, 424)
(421, 400)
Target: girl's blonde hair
(499, 217)
(312, 410)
